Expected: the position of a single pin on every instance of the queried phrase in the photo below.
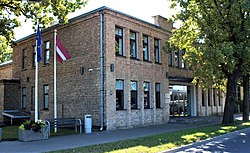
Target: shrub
(31, 125)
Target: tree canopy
(45, 11)
(216, 37)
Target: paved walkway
(78, 140)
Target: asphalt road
(235, 142)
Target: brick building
(9, 89)
(119, 73)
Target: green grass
(10, 133)
(160, 142)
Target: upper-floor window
(146, 56)
(34, 56)
(24, 58)
(146, 88)
(158, 95)
(119, 94)
(24, 100)
(176, 58)
(46, 96)
(134, 97)
(133, 45)
(119, 41)
(157, 50)
(47, 52)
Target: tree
(245, 112)
(216, 36)
(45, 11)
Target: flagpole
(36, 82)
(55, 102)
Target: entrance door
(180, 100)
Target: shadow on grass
(162, 141)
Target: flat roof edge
(89, 13)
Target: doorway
(180, 100)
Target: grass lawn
(10, 133)
(160, 142)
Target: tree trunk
(246, 98)
(228, 117)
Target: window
(203, 98)
(158, 95)
(145, 48)
(119, 41)
(176, 58)
(170, 60)
(34, 56)
(183, 62)
(214, 97)
(47, 52)
(24, 100)
(209, 97)
(24, 59)
(133, 45)
(46, 96)
(133, 91)
(219, 98)
(119, 94)
(32, 99)
(157, 50)
(146, 95)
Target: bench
(65, 122)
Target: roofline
(6, 63)
(86, 14)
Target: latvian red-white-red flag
(61, 51)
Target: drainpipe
(102, 70)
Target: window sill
(120, 56)
(132, 58)
(121, 110)
(158, 63)
(135, 109)
(147, 61)
(44, 65)
(159, 108)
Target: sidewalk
(78, 140)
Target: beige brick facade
(6, 70)
(80, 93)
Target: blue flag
(39, 44)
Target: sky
(142, 9)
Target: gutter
(102, 70)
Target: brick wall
(76, 94)
(6, 71)
(138, 70)
(9, 96)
